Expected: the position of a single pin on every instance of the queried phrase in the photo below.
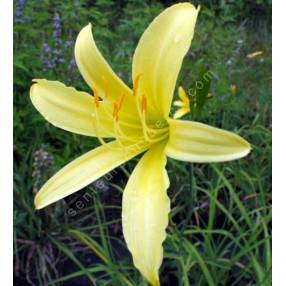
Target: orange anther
(117, 107)
(144, 103)
(136, 84)
(95, 96)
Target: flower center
(151, 134)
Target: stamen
(118, 132)
(99, 128)
(117, 107)
(150, 134)
(142, 115)
(95, 96)
(143, 109)
(120, 101)
(136, 83)
(144, 104)
(115, 111)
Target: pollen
(95, 96)
(136, 84)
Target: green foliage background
(220, 225)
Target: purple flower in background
(50, 57)
(70, 41)
(72, 64)
(46, 48)
(238, 48)
(53, 54)
(57, 29)
(46, 57)
(43, 166)
(72, 70)
(235, 54)
(69, 44)
(20, 5)
(229, 62)
(58, 53)
(57, 33)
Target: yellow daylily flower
(138, 121)
(184, 104)
(254, 54)
(233, 89)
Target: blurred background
(220, 224)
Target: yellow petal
(69, 109)
(254, 55)
(197, 142)
(178, 103)
(93, 67)
(233, 90)
(181, 112)
(145, 212)
(84, 170)
(97, 72)
(160, 52)
(183, 96)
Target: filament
(150, 134)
